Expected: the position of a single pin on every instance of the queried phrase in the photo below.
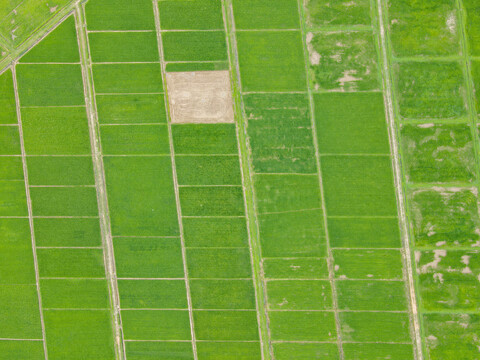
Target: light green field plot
(11, 168)
(64, 201)
(67, 232)
(127, 78)
(337, 12)
(134, 139)
(74, 293)
(438, 153)
(219, 263)
(141, 196)
(128, 109)
(364, 326)
(16, 264)
(295, 268)
(429, 27)
(299, 351)
(368, 264)
(21, 18)
(50, 84)
(226, 325)
(343, 120)
(445, 216)
(358, 185)
(119, 15)
(75, 263)
(8, 114)
(196, 66)
(430, 90)
(371, 295)
(302, 326)
(14, 202)
(215, 232)
(280, 134)
(294, 234)
(153, 294)
(190, 15)
(448, 279)
(9, 140)
(227, 350)
(56, 131)
(343, 61)
(476, 82)
(222, 294)
(70, 334)
(195, 46)
(123, 47)
(59, 46)
(21, 350)
(357, 232)
(208, 170)
(299, 295)
(139, 257)
(216, 139)
(472, 25)
(378, 351)
(271, 61)
(3, 52)
(156, 324)
(260, 14)
(61, 170)
(211, 201)
(450, 335)
(153, 350)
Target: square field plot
(56, 131)
(13, 200)
(200, 97)
(438, 153)
(148, 257)
(131, 109)
(262, 14)
(428, 27)
(215, 232)
(64, 201)
(11, 168)
(156, 324)
(67, 232)
(79, 263)
(60, 170)
(219, 263)
(350, 123)
(208, 170)
(311, 351)
(191, 15)
(212, 201)
(226, 325)
(152, 350)
(152, 294)
(205, 139)
(430, 90)
(445, 216)
(19, 312)
(473, 25)
(195, 46)
(271, 61)
(83, 334)
(337, 12)
(448, 279)
(223, 294)
(359, 185)
(8, 115)
(343, 61)
(302, 326)
(313, 269)
(123, 47)
(120, 15)
(9, 140)
(364, 232)
(50, 84)
(75, 294)
(378, 351)
(299, 295)
(280, 133)
(218, 350)
(127, 78)
(22, 350)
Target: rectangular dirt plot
(127, 78)
(64, 201)
(302, 326)
(226, 325)
(75, 263)
(223, 294)
(61, 170)
(151, 350)
(50, 84)
(219, 263)
(200, 97)
(191, 15)
(152, 294)
(79, 334)
(67, 232)
(156, 324)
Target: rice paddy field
(239, 180)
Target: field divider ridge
(100, 183)
(29, 208)
(398, 177)
(162, 64)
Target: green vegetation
(156, 325)
(473, 22)
(260, 14)
(151, 294)
(8, 115)
(9, 140)
(337, 12)
(74, 293)
(302, 326)
(226, 325)
(119, 15)
(295, 268)
(215, 232)
(371, 295)
(378, 351)
(343, 61)
(191, 15)
(476, 82)
(195, 46)
(63, 170)
(128, 109)
(215, 139)
(64, 201)
(299, 295)
(228, 350)
(140, 350)
(197, 66)
(67, 232)
(208, 170)
(223, 294)
(211, 201)
(74, 263)
(22, 350)
(219, 263)
(299, 351)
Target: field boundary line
(329, 258)
(99, 172)
(251, 213)
(29, 208)
(398, 179)
(156, 13)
